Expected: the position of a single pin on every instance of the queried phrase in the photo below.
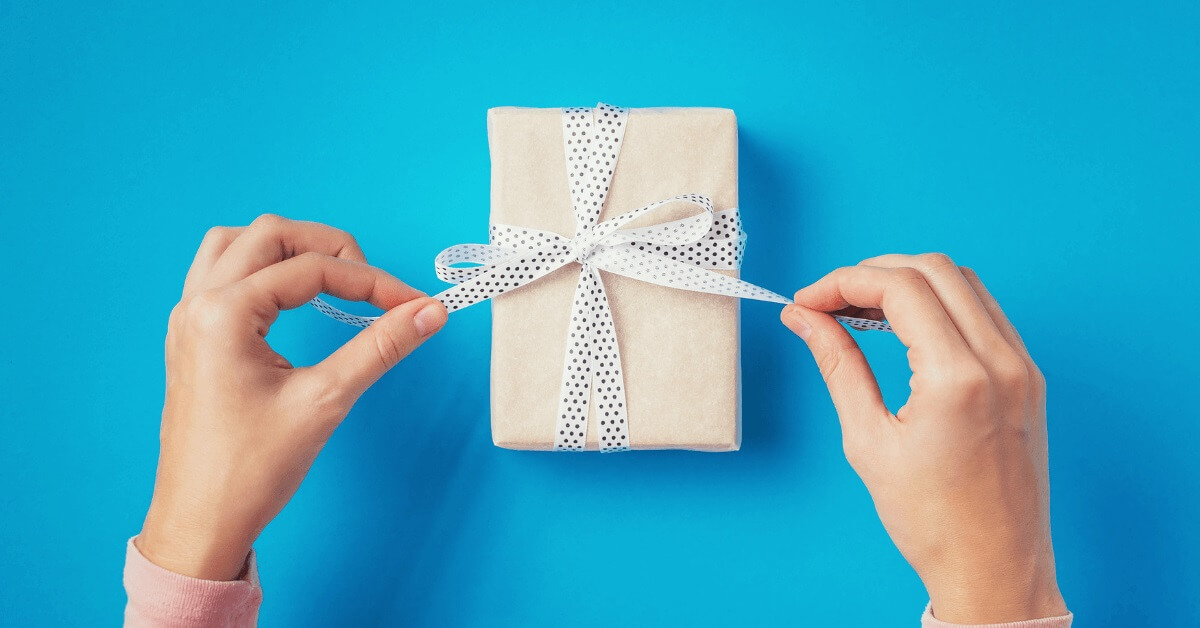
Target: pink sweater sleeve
(929, 621)
(158, 597)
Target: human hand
(959, 473)
(240, 425)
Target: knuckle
(832, 358)
(966, 379)
(207, 311)
(969, 273)
(886, 260)
(349, 247)
(844, 275)
(218, 235)
(174, 328)
(390, 349)
(973, 380)
(853, 452)
(841, 271)
(909, 277)
(857, 447)
(828, 362)
(1037, 379)
(934, 261)
(863, 447)
(268, 221)
(329, 398)
(1011, 372)
(326, 400)
(971, 377)
(309, 259)
(175, 316)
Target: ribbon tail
(629, 261)
(592, 362)
(480, 283)
(506, 276)
(570, 429)
(339, 315)
(608, 380)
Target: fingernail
(429, 319)
(798, 324)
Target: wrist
(193, 552)
(985, 596)
(966, 607)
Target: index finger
(271, 239)
(907, 301)
(214, 244)
(295, 281)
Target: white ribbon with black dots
(678, 254)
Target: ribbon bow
(678, 254)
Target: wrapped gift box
(679, 349)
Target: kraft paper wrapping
(679, 349)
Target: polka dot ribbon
(678, 254)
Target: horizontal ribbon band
(679, 254)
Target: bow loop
(676, 232)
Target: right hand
(959, 473)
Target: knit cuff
(161, 597)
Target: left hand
(241, 426)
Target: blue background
(1053, 147)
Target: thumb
(360, 362)
(852, 385)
